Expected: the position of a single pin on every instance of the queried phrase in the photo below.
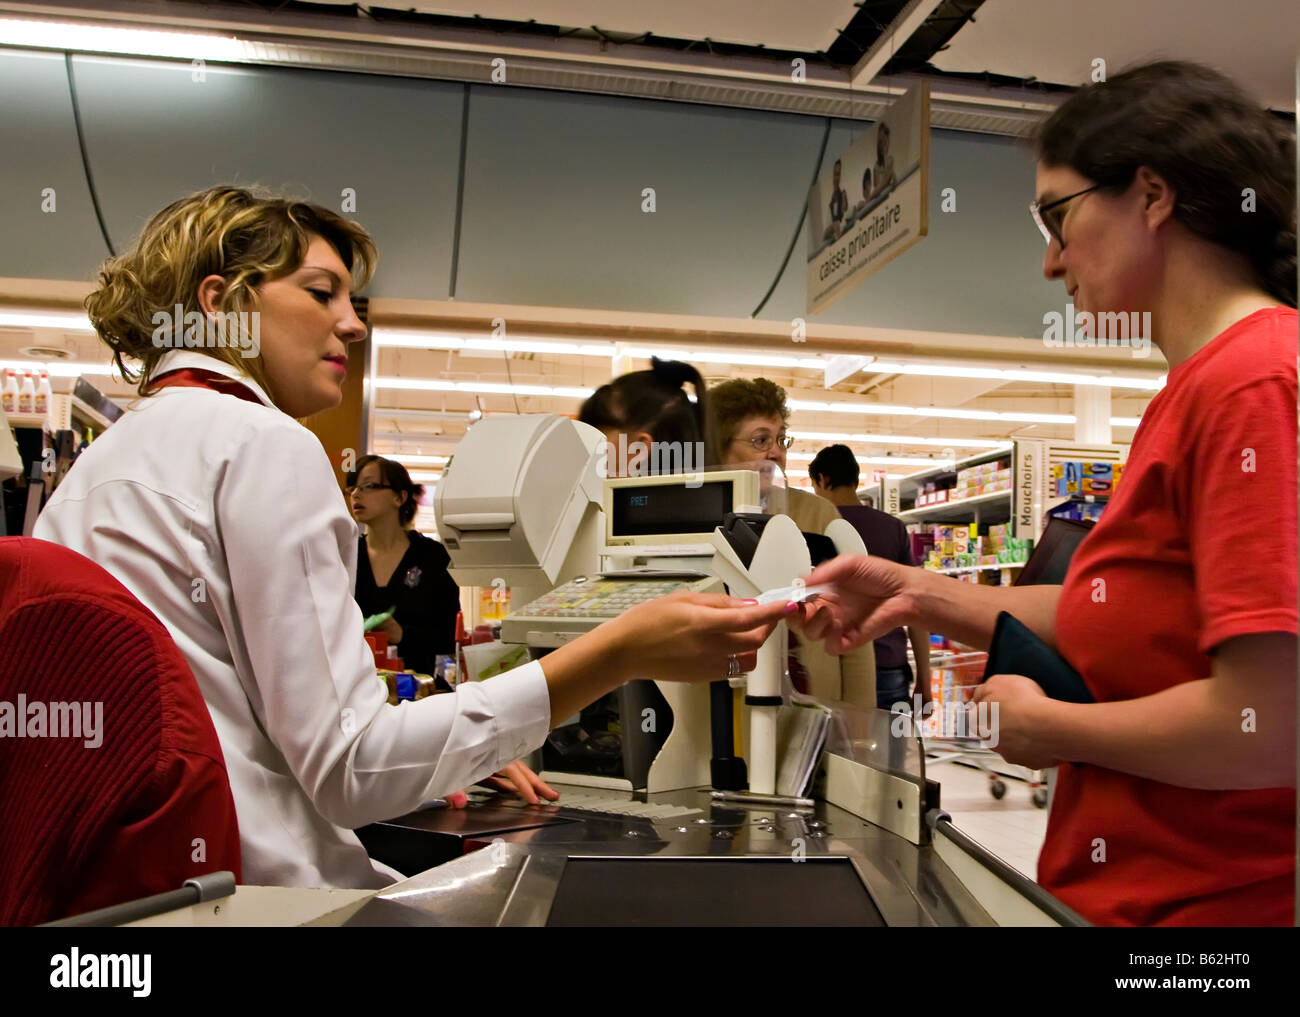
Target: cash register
(631, 539)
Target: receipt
(796, 593)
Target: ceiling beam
(891, 40)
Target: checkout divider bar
(941, 825)
(212, 886)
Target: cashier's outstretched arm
(686, 637)
(310, 679)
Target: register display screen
(670, 508)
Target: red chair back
(112, 782)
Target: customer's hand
(868, 597)
(690, 637)
(1010, 714)
(392, 630)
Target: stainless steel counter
(516, 877)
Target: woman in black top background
(398, 567)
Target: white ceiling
(800, 25)
(1254, 41)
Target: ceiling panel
(1056, 41)
(802, 25)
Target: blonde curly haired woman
(219, 511)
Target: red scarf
(198, 377)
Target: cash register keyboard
(583, 603)
(585, 802)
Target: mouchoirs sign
(872, 204)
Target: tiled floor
(1012, 828)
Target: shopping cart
(951, 734)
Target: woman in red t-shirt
(1164, 190)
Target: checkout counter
(701, 824)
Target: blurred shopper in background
(398, 567)
(649, 422)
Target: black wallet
(1016, 650)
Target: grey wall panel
(980, 268)
(155, 134)
(38, 149)
(554, 191)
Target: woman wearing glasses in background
(1165, 190)
(750, 416)
(401, 569)
(398, 567)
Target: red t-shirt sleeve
(1241, 496)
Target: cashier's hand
(515, 779)
(690, 637)
(869, 597)
(521, 780)
(1011, 714)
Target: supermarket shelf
(944, 510)
(980, 568)
(917, 479)
(1065, 499)
(83, 409)
(26, 419)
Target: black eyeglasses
(1050, 217)
(367, 488)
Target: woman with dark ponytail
(650, 423)
(1165, 194)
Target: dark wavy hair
(655, 402)
(395, 476)
(1204, 135)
